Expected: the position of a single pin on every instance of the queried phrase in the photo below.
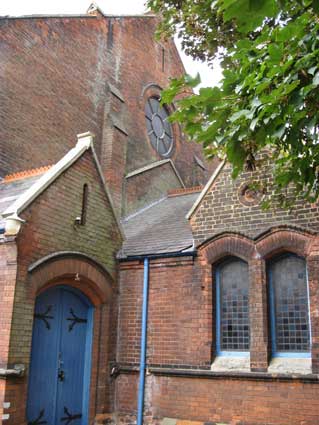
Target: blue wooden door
(58, 390)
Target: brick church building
(138, 282)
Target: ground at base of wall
(114, 419)
(173, 421)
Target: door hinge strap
(38, 420)
(69, 417)
(45, 316)
(74, 319)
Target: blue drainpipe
(141, 389)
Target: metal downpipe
(141, 389)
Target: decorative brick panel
(221, 210)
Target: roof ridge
(25, 173)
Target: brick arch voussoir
(280, 241)
(227, 245)
(76, 272)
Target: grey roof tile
(159, 228)
(10, 191)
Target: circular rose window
(248, 195)
(158, 128)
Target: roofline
(85, 142)
(205, 190)
(154, 165)
(173, 254)
(62, 16)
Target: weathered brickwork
(181, 335)
(8, 275)
(236, 402)
(50, 229)
(222, 211)
(64, 93)
(168, 343)
(96, 73)
(226, 227)
(70, 63)
(222, 400)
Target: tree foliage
(269, 95)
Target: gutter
(159, 256)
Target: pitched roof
(19, 190)
(26, 173)
(11, 189)
(85, 142)
(159, 228)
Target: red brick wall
(8, 274)
(169, 342)
(236, 401)
(69, 63)
(54, 72)
(2, 387)
(221, 210)
(141, 76)
(126, 393)
(130, 308)
(50, 228)
(181, 323)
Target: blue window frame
(289, 307)
(232, 308)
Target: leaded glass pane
(149, 126)
(154, 104)
(148, 110)
(234, 306)
(158, 127)
(161, 148)
(289, 286)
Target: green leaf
(275, 52)
(239, 114)
(312, 70)
(253, 124)
(277, 134)
(268, 96)
(192, 81)
(249, 14)
(315, 5)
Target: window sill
(231, 364)
(233, 375)
(295, 365)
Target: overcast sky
(52, 7)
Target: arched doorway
(60, 366)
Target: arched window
(289, 307)
(159, 128)
(232, 307)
